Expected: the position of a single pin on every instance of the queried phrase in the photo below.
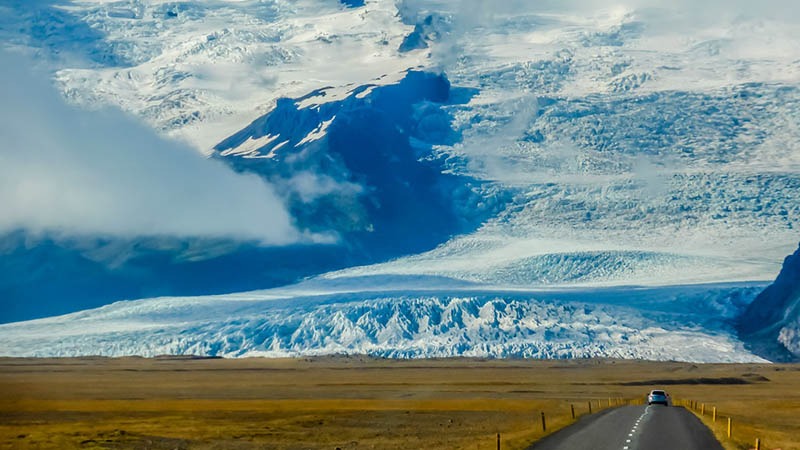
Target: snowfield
(531, 179)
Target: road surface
(634, 428)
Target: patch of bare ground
(357, 402)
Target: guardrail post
(702, 409)
(758, 444)
(498, 441)
(572, 407)
(544, 424)
(729, 427)
(714, 414)
(590, 406)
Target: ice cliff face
(408, 317)
(773, 319)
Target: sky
(69, 171)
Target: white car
(659, 397)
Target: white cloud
(71, 171)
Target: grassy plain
(360, 403)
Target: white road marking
(633, 430)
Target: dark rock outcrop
(771, 324)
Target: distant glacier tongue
(689, 324)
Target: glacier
(384, 317)
(532, 156)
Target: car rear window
(658, 393)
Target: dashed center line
(635, 426)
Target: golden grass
(769, 411)
(352, 402)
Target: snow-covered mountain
(522, 146)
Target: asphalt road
(634, 428)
